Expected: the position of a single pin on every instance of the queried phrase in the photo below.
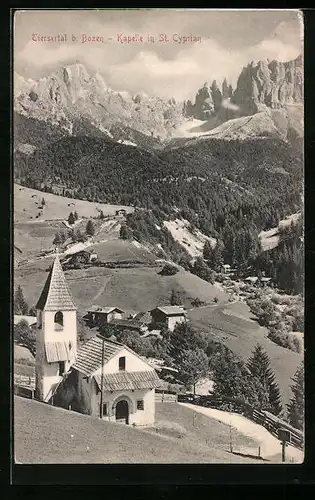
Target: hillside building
(101, 316)
(169, 316)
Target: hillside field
(76, 438)
(135, 289)
(56, 207)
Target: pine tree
(20, 304)
(90, 229)
(175, 299)
(43, 202)
(71, 219)
(76, 215)
(57, 239)
(295, 407)
(259, 366)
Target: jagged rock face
(71, 93)
(208, 101)
(269, 84)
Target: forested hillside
(230, 190)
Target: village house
(102, 378)
(121, 211)
(100, 316)
(169, 316)
(130, 324)
(226, 268)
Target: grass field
(136, 289)
(45, 434)
(118, 250)
(56, 207)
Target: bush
(169, 270)
(197, 302)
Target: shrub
(197, 302)
(169, 270)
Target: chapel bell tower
(56, 340)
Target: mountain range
(72, 102)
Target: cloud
(146, 68)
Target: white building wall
(173, 320)
(136, 417)
(133, 363)
(47, 374)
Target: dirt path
(269, 445)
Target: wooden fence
(165, 397)
(25, 392)
(264, 418)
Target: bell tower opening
(58, 320)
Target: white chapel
(101, 378)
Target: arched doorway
(122, 411)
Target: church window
(140, 404)
(105, 410)
(58, 320)
(61, 369)
(122, 363)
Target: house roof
(131, 323)
(171, 310)
(253, 279)
(143, 317)
(89, 355)
(104, 310)
(128, 380)
(31, 320)
(56, 295)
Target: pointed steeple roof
(56, 295)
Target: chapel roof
(56, 295)
(89, 355)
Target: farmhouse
(168, 316)
(102, 378)
(104, 315)
(121, 211)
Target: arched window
(58, 320)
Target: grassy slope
(43, 435)
(138, 289)
(56, 206)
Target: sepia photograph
(158, 289)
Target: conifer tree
(90, 229)
(295, 407)
(71, 219)
(259, 366)
(176, 299)
(20, 304)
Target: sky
(227, 41)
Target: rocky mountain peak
(269, 84)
